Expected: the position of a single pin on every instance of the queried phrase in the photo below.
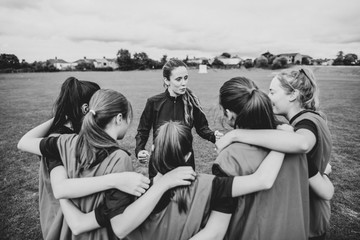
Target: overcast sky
(71, 29)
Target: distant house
(105, 63)
(292, 58)
(85, 60)
(197, 60)
(61, 64)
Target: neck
(293, 112)
(111, 133)
(172, 93)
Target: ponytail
(190, 101)
(252, 106)
(67, 108)
(104, 106)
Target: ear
(294, 95)
(119, 118)
(85, 108)
(166, 82)
(187, 156)
(230, 114)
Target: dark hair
(172, 143)
(73, 94)
(190, 100)
(252, 106)
(302, 80)
(104, 105)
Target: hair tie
(93, 112)
(252, 91)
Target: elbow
(58, 194)
(304, 147)
(266, 182)
(77, 229)
(329, 195)
(120, 233)
(20, 145)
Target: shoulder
(157, 97)
(121, 160)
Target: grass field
(26, 100)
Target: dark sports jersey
(281, 212)
(320, 155)
(117, 161)
(207, 193)
(50, 214)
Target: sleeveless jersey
(319, 208)
(118, 161)
(281, 212)
(170, 224)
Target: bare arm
(215, 227)
(135, 213)
(278, 140)
(322, 185)
(262, 179)
(129, 182)
(78, 221)
(30, 142)
(138, 211)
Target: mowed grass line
(26, 100)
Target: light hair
(302, 80)
(92, 138)
(172, 143)
(190, 100)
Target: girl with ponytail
(293, 95)
(177, 103)
(94, 161)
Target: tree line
(141, 61)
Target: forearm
(78, 221)
(278, 140)
(30, 142)
(322, 186)
(262, 179)
(215, 227)
(137, 212)
(80, 187)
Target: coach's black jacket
(163, 107)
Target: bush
(278, 63)
(248, 63)
(261, 62)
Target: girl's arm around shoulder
(30, 142)
(130, 182)
(134, 214)
(262, 179)
(215, 227)
(287, 141)
(78, 221)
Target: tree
(279, 62)
(124, 60)
(305, 61)
(163, 60)
(217, 63)
(350, 59)
(9, 61)
(225, 54)
(141, 61)
(261, 62)
(339, 60)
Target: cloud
(19, 4)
